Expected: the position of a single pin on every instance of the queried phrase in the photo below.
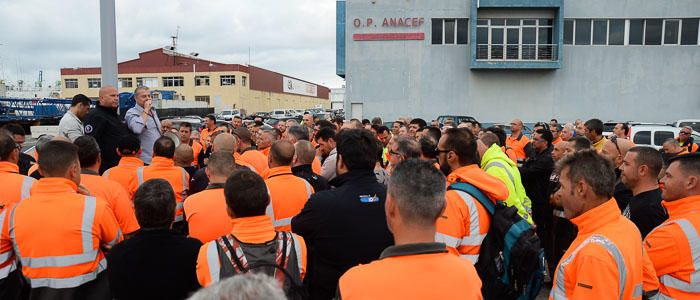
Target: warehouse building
(533, 59)
(194, 79)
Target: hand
(147, 106)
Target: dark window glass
(617, 32)
(583, 31)
(513, 39)
(530, 22)
(545, 22)
(529, 35)
(689, 32)
(661, 136)
(636, 32)
(545, 36)
(569, 32)
(600, 32)
(437, 31)
(652, 32)
(482, 22)
(462, 31)
(482, 35)
(498, 21)
(449, 31)
(497, 43)
(642, 138)
(513, 22)
(671, 32)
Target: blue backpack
(511, 260)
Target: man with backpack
(258, 247)
(479, 226)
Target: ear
(581, 188)
(642, 170)
(693, 182)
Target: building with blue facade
(531, 59)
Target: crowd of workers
(127, 209)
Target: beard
(445, 169)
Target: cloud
(295, 37)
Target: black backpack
(511, 260)
(292, 285)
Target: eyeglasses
(685, 133)
(437, 150)
(613, 139)
(391, 152)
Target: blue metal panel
(340, 38)
(558, 33)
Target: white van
(278, 114)
(228, 114)
(693, 123)
(655, 135)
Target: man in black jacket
(535, 173)
(156, 262)
(106, 126)
(25, 160)
(345, 226)
(304, 154)
(640, 169)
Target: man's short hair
(382, 129)
(57, 157)
(237, 117)
(224, 142)
(408, 147)
(377, 121)
(649, 157)
(300, 133)
(305, 152)
(246, 194)
(591, 167)
(489, 138)
(211, 117)
(242, 287)
(282, 152)
(594, 125)
(418, 189)
(420, 122)
(80, 99)
(357, 147)
(554, 120)
(7, 146)
(500, 133)
(154, 204)
(326, 134)
(141, 88)
(88, 150)
(273, 132)
(14, 129)
(625, 127)
(670, 141)
(186, 125)
(164, 147)
(184, 154)
(427, 146)
(325, 124)
(546, 135)
(461, 141)
(365, 122)
(221, 164)
(434, 133)
(581, 143)
(688, 163)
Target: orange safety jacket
(117, 199)
(196, 150)
(465, 222)
(59, 235)
(510, 153)
(604, 261)
(518, 145)
(16, 185)
(125, 173)
(316, 165)
(8, 262)
(414, 271)
(288, 195)
(206, 213)
(251, 230)
(255, 159)
(206, 133)
(266, 151)
(674, 249)
(688, 146)
(237, 159)
(164, 168)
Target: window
(583, 31)
(616, 32)
(147, 81)
(515, 39)
(671, 29)
(201, 80)
(450, 31)
(173, 81)
(228, 80)
(642, 138)
(661, 136)
(71, 83)
(652, 32)
(636, 32)
(125, 83)
(569, 32)
(244, 80)
(202, 99)
(94, 83)
(689, 32)
(600, 32)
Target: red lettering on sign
(385, 23)
(356, 23)
(369, 22)
(407, 36)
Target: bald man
(223, 142)
(183, 158)
(517, 140)
(288, 193)
(106, 126)
(304, 155)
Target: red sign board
(402, 36)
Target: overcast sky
(295, 37)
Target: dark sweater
(645, 211)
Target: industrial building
(191, 78)
(532, 59)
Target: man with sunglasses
(685, 139)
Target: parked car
(455, 119)
(278, 113)
(228, 114)
(693, 123)
(655, 135)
